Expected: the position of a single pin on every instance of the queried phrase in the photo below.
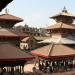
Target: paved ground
(28, 69)
(60, 73)
(40, 73)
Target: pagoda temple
(59, 55)
(12, 59)
(7, 33)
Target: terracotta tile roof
(64, 14)
(11, 33)
(6, 32)
(54, 51)
(10, 17)
(61, 25)
(20, 34)
(11, 52)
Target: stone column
(12, 70)
(22, 69)
(1, 73)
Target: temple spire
(64, 10)
(6, 11)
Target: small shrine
(28, 43)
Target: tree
(4, 3)
(26, 26)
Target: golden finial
(6, 11)
(64, 9)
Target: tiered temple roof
(11, 52)
(8, 21)
(10, 55)
(7, 32)
(63, 35)
(60, 54)
(61, 25)
(64, 20)
(63, 30)
(64, 13)
(10, 17)
(4, 32)
(54, 51)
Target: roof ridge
(51, 49)
(61, 25)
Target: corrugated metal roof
(60, 40)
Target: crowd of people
(56, 66)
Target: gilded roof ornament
(6, 11)
(64, 10)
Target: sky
(36, 13)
